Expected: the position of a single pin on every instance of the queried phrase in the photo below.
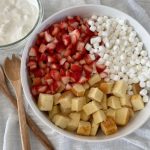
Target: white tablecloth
(9, 129)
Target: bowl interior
(86, 11)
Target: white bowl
(85, 11)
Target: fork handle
(22, 117)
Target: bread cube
(78, 90)
(136, 88)
(78, 103)
(109, 126)
(122, 116)
(94, 129)
(99, 116)
(86, 95)
(114, 102)
(95, 94)
(104, 102)
(64, 110)
(106, 87)
(54, 111)
(86, 86)
(60, 121)
(84, 116)
(61, 88)
(84, 128)
(91, 107)
(94, 79)
(125, 101)
(120, 88)
(111, 113)
(137, 102)
(45, 102)
(131, 112)
(97, 84)
(56, 98)
(65, 99)
(74, 121)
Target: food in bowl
(83, 73)
(18, 17)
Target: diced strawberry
(82, 79)
(62, 61)
(38, 72)
(34, 90)
(67, 52)
(51, 46)
(43, 81)
(70, 29)
(77, 56)
(94, 68)
(55, 30)
(58, 56)
(54, 66)
(100, 68)
(76, 68)
(48, 37)
(42, 88)
(36, 81)
(75, 24)
(55, 74)
(43, 57)
(87, 74)
(70, 59)
(65, 79)
(54, 87)
(82, 62)
(75, 35)
(75, 76)
(97, 57)
(63, 25)
(66, 65)
(55, 41)
(33, 52)
(41, 34)
(88, 68)
(68, 87)
(66, 39)
(80, 46)
(88, 59)
(32, 65)
(51, 59)
(42, 48)
(84, 28)
(49, 81)
(62, 72)
(103, 74)
(42, 64)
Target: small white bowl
(85, 11)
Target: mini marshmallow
(142, 84)
(143, 53)
(88, 47)
(145, 99)
(93, 28)
(148, 84)
(143, 92)
(91, 22)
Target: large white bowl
(85, 11)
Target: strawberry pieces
(76, 68)
(100, 68)
(55, 74)
(33, 52)
(42, 48)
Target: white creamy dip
(17, 18)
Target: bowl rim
(39, 19)
(33, 106)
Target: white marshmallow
(143, 92)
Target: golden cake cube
(104, 102)
(114, 102)
(54, 111)
(99, 116)
(84, 116)
(106, 87)
(94, 79)
(56, 98)
(125, 101)
(78, 89)
(94, 129)
(111, 113)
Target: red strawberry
(55, 30)
(62, 61)
(70, 29)
(80, 46)
(82, 62)
(82, 79)
(100, 68)
(43, 57)
(75, 34)
(49, 81)
(67, 52)
(54, 66)
(75, 24)
(103, 75)
(58, 56)
(42, 48)
(66, 65)
(33, 52)
(42, 64)
(34, 90)
(32, 65)
(55, 74)
(36, 81)
(70, 59)
(63, 25)
(77, 56)
(51, 59)
(48, 37)
(88, 68)
(38, 72)
(51, 46)
(76, 68)
(65, 79)
(54, 87)
(42, 88)
(75, 76)
(88, 59)
(62, 72)
(66, 39)
(41, 34)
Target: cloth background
(9, 128)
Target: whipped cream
(17, 18)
